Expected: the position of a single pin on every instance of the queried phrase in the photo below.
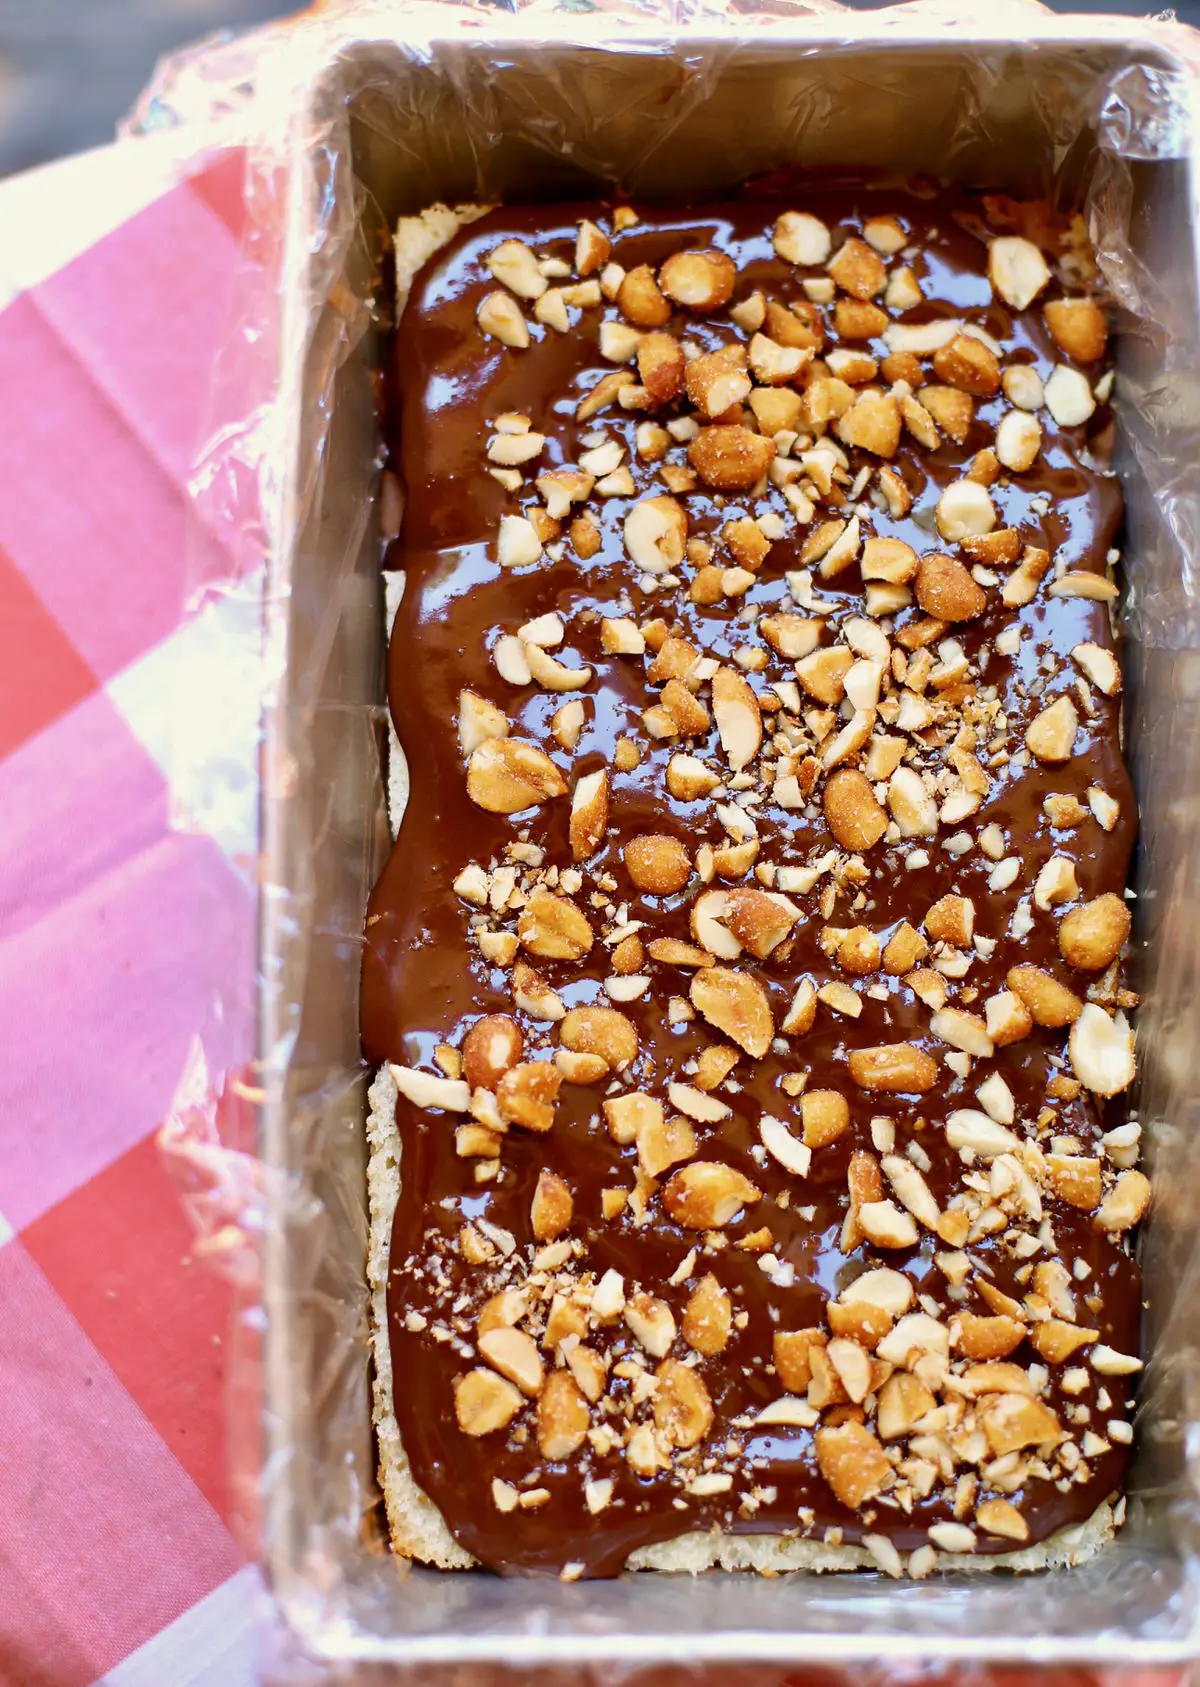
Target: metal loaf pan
(533, 107)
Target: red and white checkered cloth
(116, 1557)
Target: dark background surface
(69, 69)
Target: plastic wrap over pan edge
(361, 113)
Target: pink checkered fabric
(117, 1560)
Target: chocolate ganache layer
(749, 957)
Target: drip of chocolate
(457, 1240)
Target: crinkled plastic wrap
(366, 112)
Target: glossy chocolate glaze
(425, 983)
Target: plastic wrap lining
(361, 113)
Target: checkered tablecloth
(117, 1558)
